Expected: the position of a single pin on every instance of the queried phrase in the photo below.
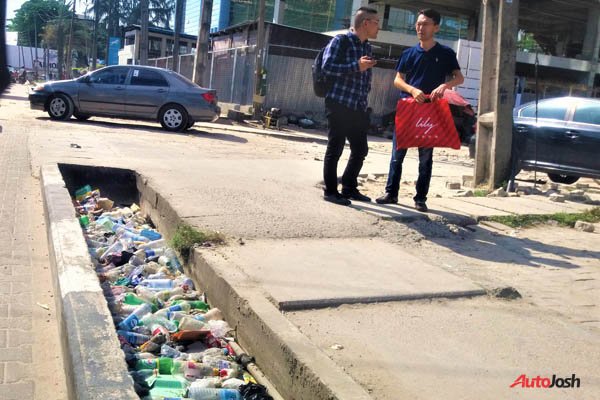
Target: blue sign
(114, 45)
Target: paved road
(257, 189)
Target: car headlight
(39, 88)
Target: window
(129, 40)
(547, 110)
(145, 77)
(401, 20)
(109, 76)
(587, 113)
(169, 50)
(154, 47)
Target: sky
(12, 6)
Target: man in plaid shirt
(347, 59)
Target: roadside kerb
(295, 366)
(95, 366)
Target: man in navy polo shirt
(422, 72)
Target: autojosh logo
(542, 382)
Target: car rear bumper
(37, 100)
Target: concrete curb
(296, 367)
(95, 365)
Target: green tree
(32, 18)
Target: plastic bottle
(150, 234)
(164, 365)
(155, 244)
(165, 295)
(158, 284)
(193, 370)
(133, 338)
(154, 343)
(133, 318)
(173, 260)
(168, 351)
(152, 320)
(219, 328)
(206, 383)
(219, 362)
(197, 393)
(190, 324)
(211, 315)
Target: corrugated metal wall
(289, 87)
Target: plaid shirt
(351, 87)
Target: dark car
(129, 91)
(564, 142)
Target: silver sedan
(129, 91)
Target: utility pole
(69, 51)
(95, 34)
(178, 23)
(201, 57)
(144, 15)
(496, 92)
(258, 98)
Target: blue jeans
(425, 165)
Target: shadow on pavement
(17, 98)
(479, 243)
(152, 129)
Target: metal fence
(288, 83)
(230, 72)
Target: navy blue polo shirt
(427, 70)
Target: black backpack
(321, 82)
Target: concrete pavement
(264, 195)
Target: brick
(20, 288)
(3, 310)
(16, 354)
(2, 365)
(4, 287)
(16, 323)
(17, 372)
(17, 391)
(18, 338)
(3, 339)
(20, 310)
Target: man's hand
(366, 62)
(438, 92)
(418, 95)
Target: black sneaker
(337, 198)
(387, 199)
(421, 206)
(355, 195)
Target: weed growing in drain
(480, 193)
(563, 219)
(186, 237)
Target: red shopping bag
(427, 124)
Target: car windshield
(551, 109)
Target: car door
(583, 134)
(103, 91)
(540, 143)
(147, 91)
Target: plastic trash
(132, 320)
(197, 393)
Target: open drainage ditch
(134, 294)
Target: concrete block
(452, 185)
(464, 193)
(584, 226)
(582, 186)
(467, 181)
(558, 198)
(575, 193)
(500, 192)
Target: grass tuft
(186, 237)
(563, 219)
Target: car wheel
(60, 107)
(173, 118)
(190, 123)
(80, 116)
(562, 178)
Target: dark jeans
(344, 123)
(425, 165)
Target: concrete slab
(457, 204)
(309, 273)
(513, 205)
(454, 350)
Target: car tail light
(209, 97)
